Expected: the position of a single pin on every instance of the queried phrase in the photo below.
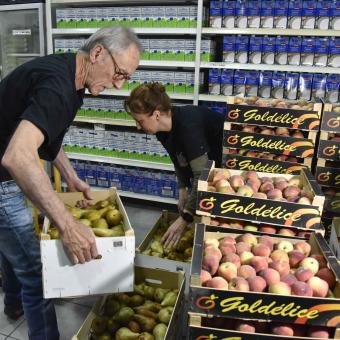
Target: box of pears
(151, 253)
(115, 239)
(151, 312)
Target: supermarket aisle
(71, 313)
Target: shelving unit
(105, 121)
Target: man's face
(109, 70)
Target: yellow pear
(93, 215)
(113, 217)
(85, 221)
(54, 233)
(101, 204)
(100, 223)
(76, 212)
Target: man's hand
(80, 242)
(80, 186)
(174, 233)
(183, 195)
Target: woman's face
(149, 123)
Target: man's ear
(95, 52)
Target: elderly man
(38, 102)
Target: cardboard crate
(107, 275)
(162, 263)
(257, 306)
(245, 163)
(156, 278)
(334, 241)
(328, 149)
(330, 118)
(261, 210)
(301, 233)
(327, 173)
(198, 330)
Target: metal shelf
(105, 121)
(137, 30)
(120, 161)
(24, 55)
(265, 67)
(213, 98)
(126, 93)
(98, 2)
(167, 63)
(272, 31)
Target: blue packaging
(139, 181)
(321, 51)
(335, 15)
(127, 179)
(281, 50)
(91, 174)
(227, 80)
(267, 13)
(215, 14)
(241, 49)
(332, 88)
(294, 49)
(228, 14)
(265, 83)
(241, 14)
(103, 175)
(334, 52)
(115, 176)
(307, 51)
(291, 85)
(280, 14)
(319, 86)
(268, 50)
(214, 81)
(254, 13)
(294, 14)
(323, 14)
(252, 83)
(305, 86)
(239, 82)
(79, 167)
(229, 48)
(308, 14)
(255, 50)
(278, 84)
(167, 189)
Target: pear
(189, 234)
(113, 217)
(183, 244)
(147, 252)
(146, 336)
(103, 211)
(157, 247)
(152, 306)
(123, 298)
(92, 215)
(146, 312)
(188, 252)
(139, 289)
(136, 300)
(101, 204)
(134, 326)
(169, 299)
(99, 324)
(179, 257)
(111, 307)
(118, 231)
(105, 336)
(85, 221)
(54, 233)
(88, 212)
(125, 334)
(160, 294)
(157, 237)
(147, 324)
(100, 223)
(156, 254)
(76, 212)
(149, 292)
(124, 315)
(164, 315)
(112, 326)
(101, 232)
(159, 331)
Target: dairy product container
(280, 14)
(294, 14)
(321, 51)
(239, 82)
(227, 79)
(214, 80)
(307, 51)
(252, 83)
(254, 13)
(265, 84)
(319, 86)
(278, 83)
(281, 50)
(291, 85)
(228, 14)
(215, 14)
(268, 50)
(241, 49)
(323, 13)
(305, 86)
(267, 14)
(255, 50)
(332, 88)
(241, 14)
(334, 52)
(229, 48)
(335, 15)
(294, 50)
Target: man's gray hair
(116, 38)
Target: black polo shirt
(196, 130)
(43, 92)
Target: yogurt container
(305, 86)
(281, 14)
(321, 51)
(307, 51)
(308, 14)
(294, 50)
(228, 14)
(229, 48)
(241, 49)
(281, 50)
(278, 84)
(294, 14)
(255, 50)
(267, 14)
(268, 50)
(265, 84)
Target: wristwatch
(187, 217)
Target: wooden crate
(258, 306)
(261, 210)
(62, 279)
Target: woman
(190, 134)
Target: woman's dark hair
(147, 98)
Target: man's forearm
(180, 178)
(64, 166)
(30, 176)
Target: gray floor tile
(70, 318)
(84, 301)
(2, 337)
(10, 338)
(7, 326)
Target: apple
(319, 286)
(239, 283)
(310, 263)
(285, 245)
(227, 270)
(280, 288)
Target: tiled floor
(71, 313)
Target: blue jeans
(21, 264)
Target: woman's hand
(174, 233)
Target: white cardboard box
(112, 273)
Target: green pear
(105, 336)
(139, 289)
(85, 221)
(149, 292)
(160, 294)
(157, 247)
(159, 331)
(101, 232)
(112, 326)
(125, 334)
(54, 233)
(92, 215)
(164, 315)
(156, 254)
(134, 326)
(88, 212)
(118, 231)
(100, 223)
(113, 217)
(101, 204)
(76, 212)
(111, 307)
(146, 336)
(188, 252)
(147, 324)
(136, 300)
(99, 324)
(147, 252)
(141, 310)
(152, 306)
(123, 298)
(169, 299)
(183, 244)
(124, 315)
